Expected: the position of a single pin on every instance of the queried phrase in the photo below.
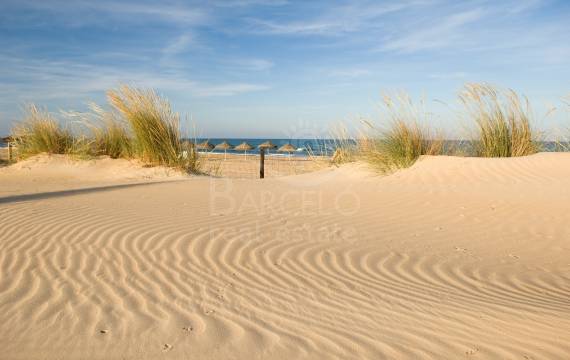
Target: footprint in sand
(472, 351)
(460, 249)
(188, 328)
(166, 347)
(514, 256)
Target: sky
(282, 69)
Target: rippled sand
(453, 258)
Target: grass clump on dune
(110, 134)
(503, 121)
(141, 125)
(404, 138)
(346, 148)
(155, 128)
(39, 132)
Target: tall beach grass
(140, 125)
(401, 138)
(346, 148)
(110, 133)
(502, 119)
(155, 128)
(40, 132)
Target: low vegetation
(402, 139)
(155, 128)
(110, 134)
(139, 125)
(346, 148)
(39, 132)
(503, 121)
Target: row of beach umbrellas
(244, 146)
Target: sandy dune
(51, 173)
(453, 258)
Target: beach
(451, 258)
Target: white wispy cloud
(337, 19)
(179, 44)
(349, 73)
(441, 33)
(24, 80)
(248, 64)
(86, 12)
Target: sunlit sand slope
(453, 258)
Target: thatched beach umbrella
(244, 146)
(206, 145)
(224, 146)
(267, 145)
(288, 148)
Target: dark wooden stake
(261, 163)
(9, 152)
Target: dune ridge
(451, 258)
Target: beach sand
(452, 258)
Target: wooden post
(9, 151)
(261, 163)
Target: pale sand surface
(53, 173)
(453, 258)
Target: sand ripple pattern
(153, 272)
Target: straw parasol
(288, 148)
(206, 145)
(224, 146)
(267, 145)
(244, 146)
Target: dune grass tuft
(110, 134)
(39, 132)
(404, 138)
(503, 121)
(155, 128)
(346, 148)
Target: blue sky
(257, 68)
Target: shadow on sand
(72, 192)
